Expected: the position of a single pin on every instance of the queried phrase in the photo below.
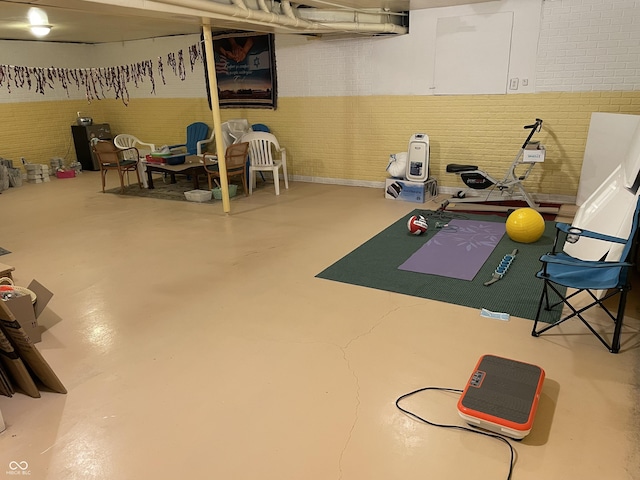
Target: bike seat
(456, 168)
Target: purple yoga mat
(457, 251)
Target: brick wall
(336, 131)
(349, 139)
(337, 67)
(589, 45)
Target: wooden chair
(111, 158)
(236, 160)
(124, 141)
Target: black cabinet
(82, 141)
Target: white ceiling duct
(239, 4)
(284, 18)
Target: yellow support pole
(215, 110)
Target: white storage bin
(198, 195)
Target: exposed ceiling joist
(105, 21)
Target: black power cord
(454, 427)
(440, 218)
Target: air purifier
(418, 158)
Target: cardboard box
(408, 191)
(37, 168)
(534, 156)
(21, 364)
(27, 313)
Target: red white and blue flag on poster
(245, 70)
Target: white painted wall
(589, 45)
(583, 45)
(406, 64)
(41, 54)
(312, 67)
(400, 65)
(44, 54)
(193, 85)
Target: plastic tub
(217, 192)
(198, 195)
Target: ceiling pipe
(263, 6)
(239, 4)
(303, 26)
(286, 8)
(363, 27)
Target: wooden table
(192, 166)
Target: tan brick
(352, 137)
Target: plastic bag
(397, 165)
(15, 177)
(4, 178)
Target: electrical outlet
(525, 82)
(513, 84)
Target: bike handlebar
(536, 125)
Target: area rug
(3, 251)
(162, 191)
(457, 251)
(375, 265)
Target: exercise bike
(510, 187)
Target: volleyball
(525, 225)
(417, 225)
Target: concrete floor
(199, 345)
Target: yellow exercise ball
(525, 225)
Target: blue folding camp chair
(587, 276)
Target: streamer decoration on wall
(97, 82)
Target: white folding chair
(262, 145)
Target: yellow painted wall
(350, 137)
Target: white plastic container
(198, 195)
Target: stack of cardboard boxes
(37, 173)
(22, 367)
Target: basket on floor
(217, 192)
(198, 195)
(7, 287)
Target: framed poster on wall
(245, 70)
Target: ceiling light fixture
(40, 30)
(39, 22)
